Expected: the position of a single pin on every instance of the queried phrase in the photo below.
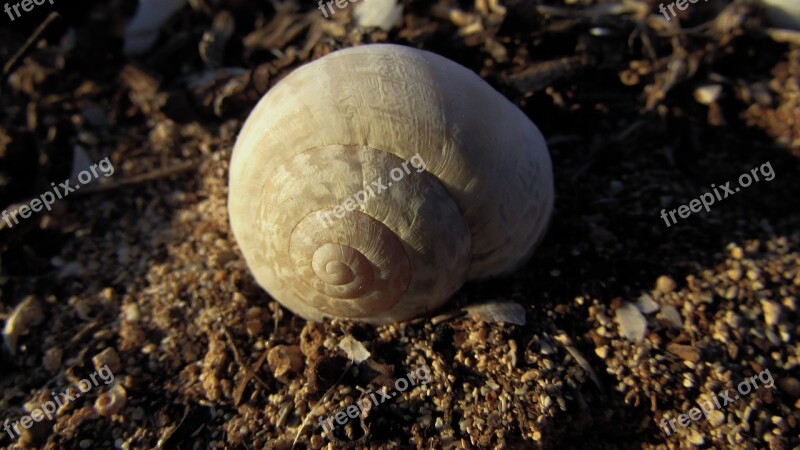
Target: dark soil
(141, 272)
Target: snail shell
(473, 204)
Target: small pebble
(735, 273)
(111, 402)
(772, 312)
(107, 357)
(696, 438)
(52, 359)
(285, 360)
(646, 304)
(716, 418)
(665, 284)
(131, 312)
(791, 386)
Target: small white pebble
(696, 438)
(772, 312)
(132, 312)
(646, 304)
(716, 418)
(665, 284)
(383, 14)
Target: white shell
(783, 13)
(331, 128)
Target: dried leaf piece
(509, 312)
(632, 323)
(354, 349)
(684, 352)
(26, 315)
(212, 45)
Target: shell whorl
(388, 248)
(330, 129)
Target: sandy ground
(137, 276)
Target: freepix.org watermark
(48, 198)
(339, 4)
(421, 374)
(26, 5)
(708, 199)
(720, 400)
(681, 4)
(49, 408)
(360, 197)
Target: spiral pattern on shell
(330, 231)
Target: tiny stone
(716, 418)
(52, 359)
(107, 357)
(772, 312)
(791, 386)
(285, 360)
(696, 438)
(131, 312)
(665, 284)
(602, 352)
(707, 93)
(646, 304)
(137, 414)
(791, 303)
(737, 252)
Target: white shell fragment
(354, 349)
(632, 323)
(672, 316)
(142, 31)
(783, 13)
(646, 304)
(707, 93)
(26, 315)
(508, 312)
(112, 401)
(383, 14)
